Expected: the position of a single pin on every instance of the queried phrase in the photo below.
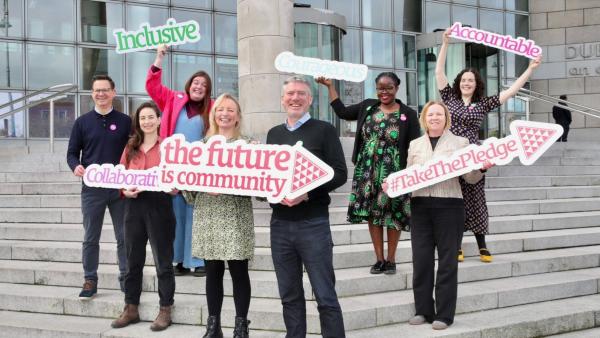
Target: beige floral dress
(223, 226)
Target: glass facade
(44, 43)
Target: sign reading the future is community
(238, 168)
(147, 37)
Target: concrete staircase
(545, 278)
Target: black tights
(214, 286)
(480, 241)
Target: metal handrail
(572, 106)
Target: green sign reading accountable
(147, 37)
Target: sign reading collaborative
(146, 37)
(237, 168)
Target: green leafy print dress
(376, 160)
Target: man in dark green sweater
(300, 232)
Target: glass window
(64, 116)
(51, 20)
(226, 78)
(348, 8)
(15, 18)
(225, 5)
(204, 19)
(139, 14)
(518, 5)
(465, 15)
(491, 21)
(40, 74)
(468, 2)
(99, 19)
(330, 40)
(436, 16)
(516, 25)
(11, 126)
(137, 68)
(225, 34)
(377, 48)
(351, 46)
(162, 2)
(407, 15)
(133, 102)
(492, 3)
(312, 3)
(94, 61)
(86, 103)
(405, 51)
(193, 3)
(11, 65)
(407, 92)
(186, 65)
(377, 14)
(305, 34)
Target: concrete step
(550, 170)
(349, 281)
(34, 167)
(345, 256)
(359, 312)
(525, 321)
(541, 181)
(595, 332)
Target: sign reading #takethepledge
(146, 37)
(237, 168)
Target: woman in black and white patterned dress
(468, 107)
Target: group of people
(184, 226)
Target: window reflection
(405, 51)
(137, 15)
(137, 67)
(193, 3)
(377, 13)
(50, 20)
(11, 65)
(492, 21)
(225, 34)
(226, 80)
(64, 116)
(407, 15)
(351, 46)
(204, 19)
(11, 126)
(99, 19)
(348, 8)
(100, 61)
(377, 48)
(15, 18)
(226, 6)
(465, 15)
(437, 16)
(40, 74)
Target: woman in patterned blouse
(468, 107)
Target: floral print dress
(377, 159)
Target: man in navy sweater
(300, 232)
(99, 136)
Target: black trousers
(436, 223)
(149, 217)
(214, 286)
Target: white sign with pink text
(528, 141)
(237, 168)
(519, 45)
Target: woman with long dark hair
(183, 113)
(468, 107)
(385, 127)
(148, 217)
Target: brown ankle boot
(129, 315)
(163, 320)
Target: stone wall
(569, 32)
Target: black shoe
(213, 328)
(179, 270)
(199, 271)
(378, 268)
(390, 268)
(89, 290)
(241, 328)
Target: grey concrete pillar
(265, 29)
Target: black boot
(241, 328)
(213, 328)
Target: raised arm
(154, 87)
(333, 94)
(520, 82)
(440, 65)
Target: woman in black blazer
(385, 127)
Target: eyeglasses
(102, 91)
(385, 89)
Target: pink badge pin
(403, 117)
(113, 127)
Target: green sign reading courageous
(147, 37)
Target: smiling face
(227, 115)
(386, 90)
(198, 88)
(468, 84)
(149, 121)
(296, 99)
(103, 94)
(435, 120)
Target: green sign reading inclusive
(147, 37)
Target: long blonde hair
(213, 127)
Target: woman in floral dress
(468, 107)
(385, 127)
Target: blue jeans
(93, 205)
(182, 245)
(292, 244)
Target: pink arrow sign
(528, 141)
(238, 168)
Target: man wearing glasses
(99, 136)
(300, 233)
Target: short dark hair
(101, 77)
(391, 75)
(563, 97)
